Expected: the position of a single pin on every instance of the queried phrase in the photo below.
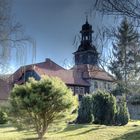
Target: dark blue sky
(54, 25)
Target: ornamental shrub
(122, 115)
(39, 104)
(103, 107)
(3, 117)
(85, 111)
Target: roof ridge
(54, 63)
(47, 60)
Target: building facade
(84, 77)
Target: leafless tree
(129, 8)
(13, 42)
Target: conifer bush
(122, 115)
(3, 117)
(38, 104)
(85, 112)
(104, 107)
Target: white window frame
(80, 90)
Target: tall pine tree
(126, 52)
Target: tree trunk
(41, 133)
(40, 136)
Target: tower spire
(86, 14)
(86, 53)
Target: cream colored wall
(101, 85)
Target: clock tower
(86, 53)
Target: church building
(84, 77)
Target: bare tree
(13, 42)
(129, 8)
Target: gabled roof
(50, 68)
(49, 64)
(66, 76)
(75, 76)
(94, 72)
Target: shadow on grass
(73, 127)
(135, 135)
(30, 139)
(29, 132)
(24, 131)
(5, 125)
(8, 131)
(79, 126)
(34, 139)
(82, 133)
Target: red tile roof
(50, 68)
(66, 76)
(74, 76)
(93, 72)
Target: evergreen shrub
(3, 117)
(122, 115)
(104, 107)
(85, 111)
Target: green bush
(85, 111)
(39, 104)
(104, 107)
(3, 117)
(122, 115)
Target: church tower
(86, 53)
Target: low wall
(134, 111)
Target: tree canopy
(126, 52)
(38, 104)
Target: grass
(77, 132)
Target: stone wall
(134, 111)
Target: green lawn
(78, 132)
